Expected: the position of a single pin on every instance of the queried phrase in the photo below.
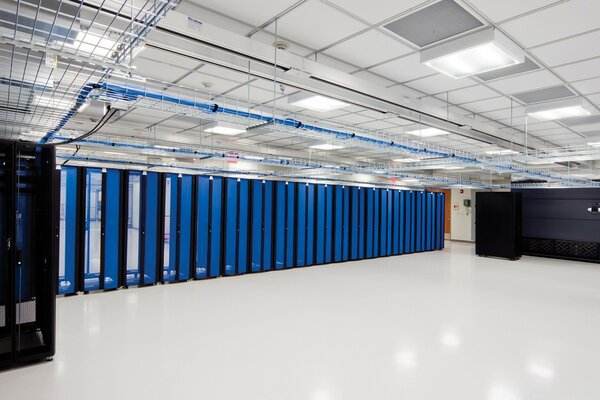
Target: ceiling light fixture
(326, 146)
(92, 43)
(428, 132)
(52, 102)
(551, 110)
(594, 144)
(315, 102)
(480, 52)
(224, 128)
(410, 180)
(451, 167)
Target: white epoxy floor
(440, 325)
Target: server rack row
(120, 228)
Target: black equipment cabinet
(498, 224)
(28, 252)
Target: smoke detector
(207, 84)
(281, 45)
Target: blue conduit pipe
(131, 93)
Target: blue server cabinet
(362, 222)
(170, 237)
(216, 230)
(301, 224)
(329, 190)
(369, 224)
(346, 223)
(338, 222)
(310, 224)
(320, 225)
(231, 228)
(269, 220)
(68, 230)
(280, 223)
(244, 208)
(409, 226)
(111, 230)
(133, 236)
(93, 229)
(354, 222)
(257, 229)
(150, 231)
(376, 220)
(290, 225)
(203, 185)
(418, 222)
(383, 227)
(185, 227)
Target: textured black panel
(498, 217)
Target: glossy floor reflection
(440, 325)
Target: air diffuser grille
(551, 93)
(436, 22)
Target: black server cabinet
(28, 252)
(498, 224)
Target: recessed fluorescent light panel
(326, 146)
(224, 128)
(428, 132)
(594, 144)
(480, 52)
(52, 102)
(559, 109)
(315, 102)
(450, 167)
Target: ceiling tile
(333, 63)
(404, 69)
(581, 70)
(353, 119)
(196, 80)
(377, 125)
(594, 98)
(522, 83)
(328, 25)
(368, 49)
(376, 11)
(294, 48)
(373, 78)
(255, 12)
(570, 50)
(500, 10)
(469, 94)
(439, 83)
(158, 70)
(553, 23)
(488, 105)
(587, 86)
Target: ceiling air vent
(527, 66)
(434, 23)
(551, 93)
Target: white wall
(462, 218)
